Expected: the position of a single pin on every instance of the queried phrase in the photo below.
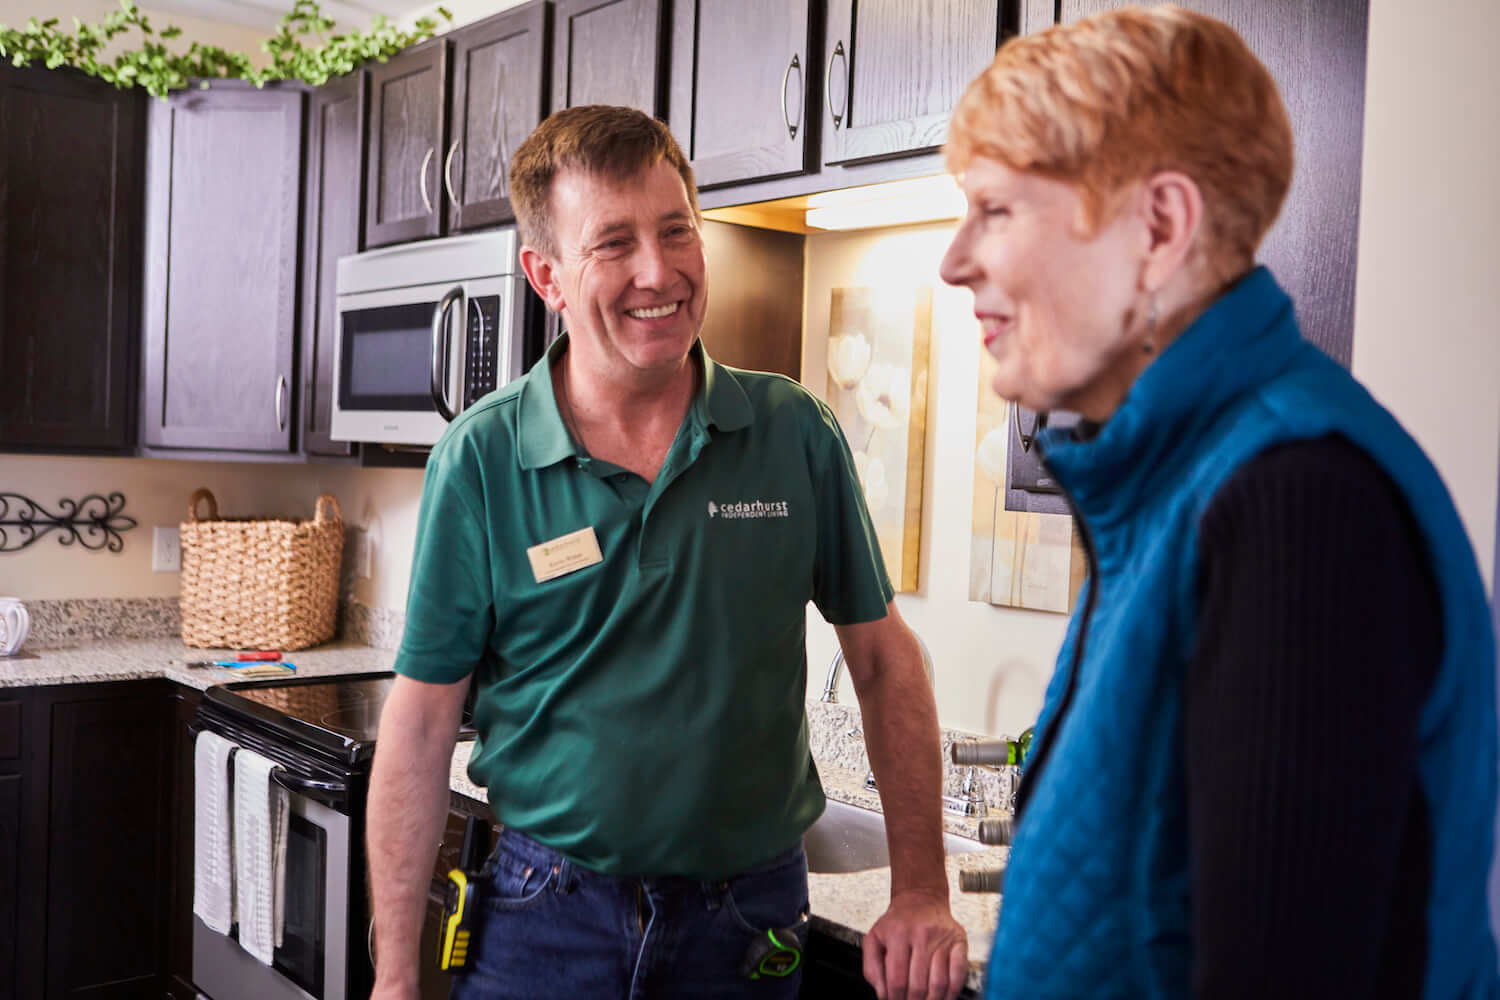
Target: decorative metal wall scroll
(94, 523)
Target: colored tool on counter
(776, 953)
(259, 654)
(463, 898)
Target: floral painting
(878, 343)
(1018, 559)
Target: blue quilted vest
(1097, 894)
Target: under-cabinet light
(898, 203)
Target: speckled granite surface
(136, 659)
(66, 622)
(847, 905)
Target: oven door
(311, 961)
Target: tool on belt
(463, 898)
(776, 952)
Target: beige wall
(990, 664)
(156, 493)
(1427, 302)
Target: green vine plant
(301, 49)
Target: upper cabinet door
(608, 52)
(894, 69)
(499, 96)
(70, 208)
(405, 158)
(741, 89)
(223, 173)
(334, 192)
(1316, 54)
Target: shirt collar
(543, 438)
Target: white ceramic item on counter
(15, 622)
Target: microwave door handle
(451, 297)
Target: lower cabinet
(85, 802)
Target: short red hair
(1112, 99)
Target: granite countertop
(93, 660)
(846, 905)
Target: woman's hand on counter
(916, 950)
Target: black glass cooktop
(340, 715)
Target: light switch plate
(166, 549)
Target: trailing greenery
(157, 70)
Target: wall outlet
(166, 549)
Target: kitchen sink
(850, 839)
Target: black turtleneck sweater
(1320, 635)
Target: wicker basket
(251, 583)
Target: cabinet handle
(838, 113)
(795, 64)
(426, 201)
(448, 173)
(280, 395)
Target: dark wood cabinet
(1316, 53)
(499, 95)
(404, 199)
(108, 829)
(84, 839)
(223, 206)
(609, 52)
(17, 897)
(332, 226)
(742, 92)
(894, 69)
(70, 216)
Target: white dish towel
(213, 871)
(260, 826)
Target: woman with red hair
(1266, 762)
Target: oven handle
(450, 298)
(331, 793)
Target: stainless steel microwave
(425, 330)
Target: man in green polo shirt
(618, 548)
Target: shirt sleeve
(1320, 628)
(449, 605)
(850, 584)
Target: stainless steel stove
(322, 730)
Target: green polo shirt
(642, 713)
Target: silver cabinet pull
(280, 395)
(838, 113)
(422, 176)
(448, 173)
(439, 386)
(791, 127)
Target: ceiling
(265, 14)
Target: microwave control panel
(483, 348)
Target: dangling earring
(1149, 345)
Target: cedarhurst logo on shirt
(750, 509)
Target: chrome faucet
(831, 682)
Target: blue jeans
(548, 928)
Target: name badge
(564, 554)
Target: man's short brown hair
(613, 142)
(1114, 98)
